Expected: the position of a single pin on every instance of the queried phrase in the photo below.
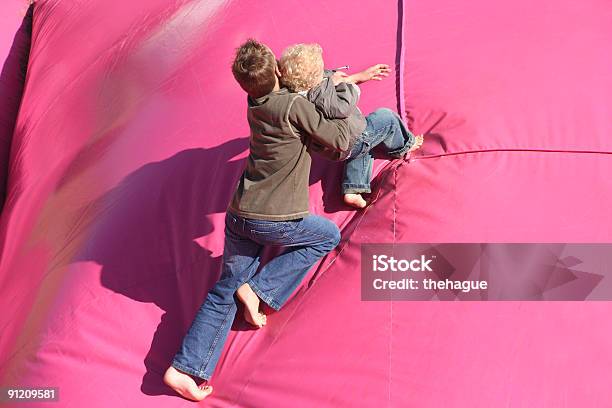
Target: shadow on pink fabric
(15, 35)
(130, 138)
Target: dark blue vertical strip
(399, 63)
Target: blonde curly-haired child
(336, 94)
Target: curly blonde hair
(301, 66)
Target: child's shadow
(144, 239)
(12, 82)
(329, 173)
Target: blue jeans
(384, 131)
(307, 240)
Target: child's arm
(376, 72)
(335, 98)
(331, 133)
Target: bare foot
(251, 306)
(355, 200)
(418, 142)
(185, 385)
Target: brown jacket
(274, 184)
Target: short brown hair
(255, 68)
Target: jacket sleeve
(310, 122)
(335, 102)
(326, 152)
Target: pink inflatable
(15, 35)
(131, 134)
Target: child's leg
(356, 179)
(307, 241)
(203, 343)
(385, 129)
(390, 133)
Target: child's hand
(376, 72)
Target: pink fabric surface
(129, 143)
(516, 99)
(127, 150)
(516, 76)
(11, 17)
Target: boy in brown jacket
(269, 207)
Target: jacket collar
(263, 99)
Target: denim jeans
(307, 240)
(384, 131)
